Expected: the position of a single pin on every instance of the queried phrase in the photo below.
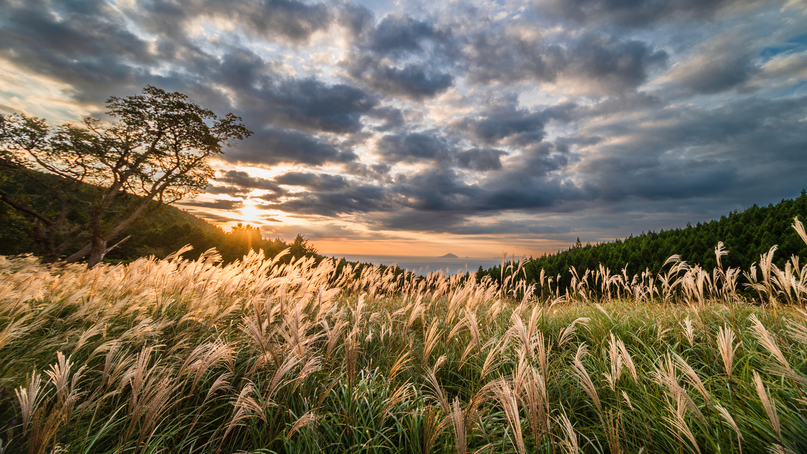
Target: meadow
(195, 356)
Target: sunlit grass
(257, 356)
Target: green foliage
(746, 235)
(14, 239)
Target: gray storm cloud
(426, 119)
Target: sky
(426, 127)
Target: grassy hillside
(746, 235)
(257, 356)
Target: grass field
(195, 357)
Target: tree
(157, 148)
(53, 204)
(240, 240)
(301, 247)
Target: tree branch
(116, 245)
(6, 197)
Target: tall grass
(193, 356)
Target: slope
(745, 235)
(162, 231)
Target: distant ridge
(746, 235)
(448, 256)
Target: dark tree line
(161, 239)
(746, 235)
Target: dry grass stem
(727, 349)
(768, 404)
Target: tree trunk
(80, 254)
(97, 252)
(114, 232)
(44, 236)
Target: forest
(746, 235)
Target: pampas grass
(200, 357)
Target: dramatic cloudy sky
(418, 128)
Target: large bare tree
(157, 147)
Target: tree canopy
(157, 147)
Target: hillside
(160, 232)
(745, 235)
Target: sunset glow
(421, 128)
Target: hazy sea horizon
(424, 264)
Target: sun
(251, 212)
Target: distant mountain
(448, 256)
